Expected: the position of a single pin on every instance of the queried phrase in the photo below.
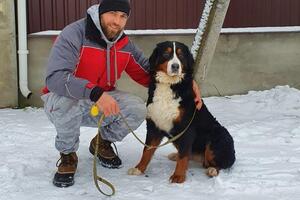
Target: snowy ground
(265, 126)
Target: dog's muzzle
(175, 68)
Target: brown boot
(106, 155)
(67, 165)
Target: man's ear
(153, 60)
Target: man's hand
(197, 99)
(108, 105)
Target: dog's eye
(180, 56)
(166, 55)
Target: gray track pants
(68, 115)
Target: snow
(282, 29)
(264, 124)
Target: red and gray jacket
(83, 63)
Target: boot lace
(66, 160)
(107, 145)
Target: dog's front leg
(180, 170)
(146, 157)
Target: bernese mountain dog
(170, 109)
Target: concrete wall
(8, 61)
(242, 62)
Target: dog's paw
(134, 171)
(173, 156)
(212, 172)
(177, 178)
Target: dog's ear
(153, 60)
(188, 55)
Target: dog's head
(170, 62)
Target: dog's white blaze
(164, 108)
(175, 59)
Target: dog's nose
(175, 67)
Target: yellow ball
(94, 111)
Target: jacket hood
(93, 15)
(93, 12)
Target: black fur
(205, 129)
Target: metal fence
(166, 14)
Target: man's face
(113, 23)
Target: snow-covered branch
(202, 27)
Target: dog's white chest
(164, 108)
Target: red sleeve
(137, 72)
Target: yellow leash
(167, 142)
(95, 112)
(95, 174)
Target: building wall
(8, 61)
(167, 14)
(260, 61)
(242, 62)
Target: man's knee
(137, 113)
(60, 108)
(141, 112)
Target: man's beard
(109, 33)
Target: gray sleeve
(62, 62)
(139, 56)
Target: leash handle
(97, 178)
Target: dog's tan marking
(194, 157)
(179, 51)
(209, 157)
(146, 157)
(209, 162)
(197, 158)
(163, 67)
(169, 50)
(180, 116)
(180, 171)
(173, 156)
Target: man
(85, 62)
